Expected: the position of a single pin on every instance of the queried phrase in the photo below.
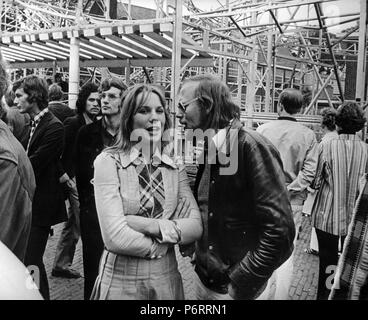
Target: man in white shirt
(297, 145)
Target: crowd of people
(131, 202)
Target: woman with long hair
(144, 204)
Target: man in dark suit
(44, 150)
(91, 140)
(87, 109)
(59, 109)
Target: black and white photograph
(183, 154)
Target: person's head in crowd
(206, 102)
(55, 93)
(290, 101)
(4, 84)
(145, 115)
(7, 101)
(49, 82)
(31, 94)
(350, 118)
(111, 93)
(58, 77)
(88, 101)
(3, 110)
(9, 97)
(328, 119)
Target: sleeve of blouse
(190, 226)
(117, 235)
(317, 181)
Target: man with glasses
(91, 140)
(240, 190)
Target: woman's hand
(144, 225)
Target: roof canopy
(123, 43)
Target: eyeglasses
(184, 105)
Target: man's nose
(179, 114)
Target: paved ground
(303, 286)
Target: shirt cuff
(170, 233)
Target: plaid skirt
(132, 278)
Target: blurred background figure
(59, 109)
(19, 123)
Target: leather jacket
(250, 228)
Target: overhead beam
(114, 63)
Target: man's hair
(36, 88)
(130, 105)
(83, 95)
(16, 85)
(55, 92)
(215, 95)
(350, 117)
(3, 76)
(112, 82)
(292, 100)
(328, 118)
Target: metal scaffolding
(258, 47)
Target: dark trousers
(34, 257)
(328, 247)
(92, 247)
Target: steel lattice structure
(256, 59)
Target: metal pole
(362, 59)
(318, 93)
(107, 8)
(252, 65)
(269, 70)
(74, 62)
(73, 72)
(175, 67)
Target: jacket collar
(87, 119)
(287, 118)
(43, 119)
(345, 136)
(135, 157)
(222, 142)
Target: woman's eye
(160, 110)
(142, 110)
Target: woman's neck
(148, 150)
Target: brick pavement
(303, 286)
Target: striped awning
(127, 42)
